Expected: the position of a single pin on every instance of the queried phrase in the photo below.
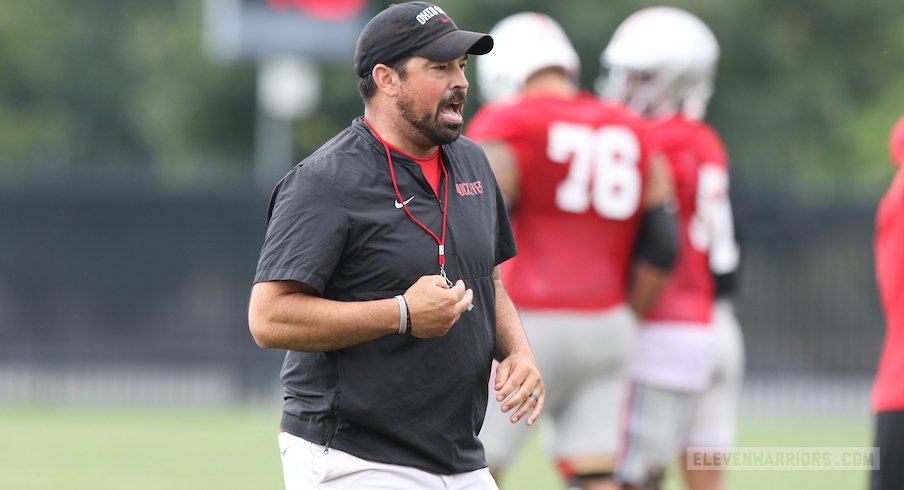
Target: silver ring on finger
(535, 396)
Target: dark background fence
(136, 293)
(131, 277)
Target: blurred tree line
(806, 94)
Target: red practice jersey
(582, 169)
(888, 391)
(699, 167)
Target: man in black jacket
(379, 275)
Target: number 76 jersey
(582, 167)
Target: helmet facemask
(650, 93)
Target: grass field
(176, 449)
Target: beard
(428, 124)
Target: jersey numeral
(711, 228)
(603, 169)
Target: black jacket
(334, 225)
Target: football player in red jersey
(888, 391)
(582, 184)
(688, 360)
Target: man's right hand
(434, 306)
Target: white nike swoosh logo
(399, 205)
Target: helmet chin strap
(694, 108)
(696, 100)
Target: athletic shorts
(309, 466)
(657, 422)
(715, 423)
(582, 358)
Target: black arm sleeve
(657, 239)
(726, 284)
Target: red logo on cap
(444, 20)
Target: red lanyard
(440, 240)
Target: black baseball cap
(414, 28)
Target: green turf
(125, 449)
(130, 449)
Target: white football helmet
(523, 44)
(660, 61)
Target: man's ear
(386, 79)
